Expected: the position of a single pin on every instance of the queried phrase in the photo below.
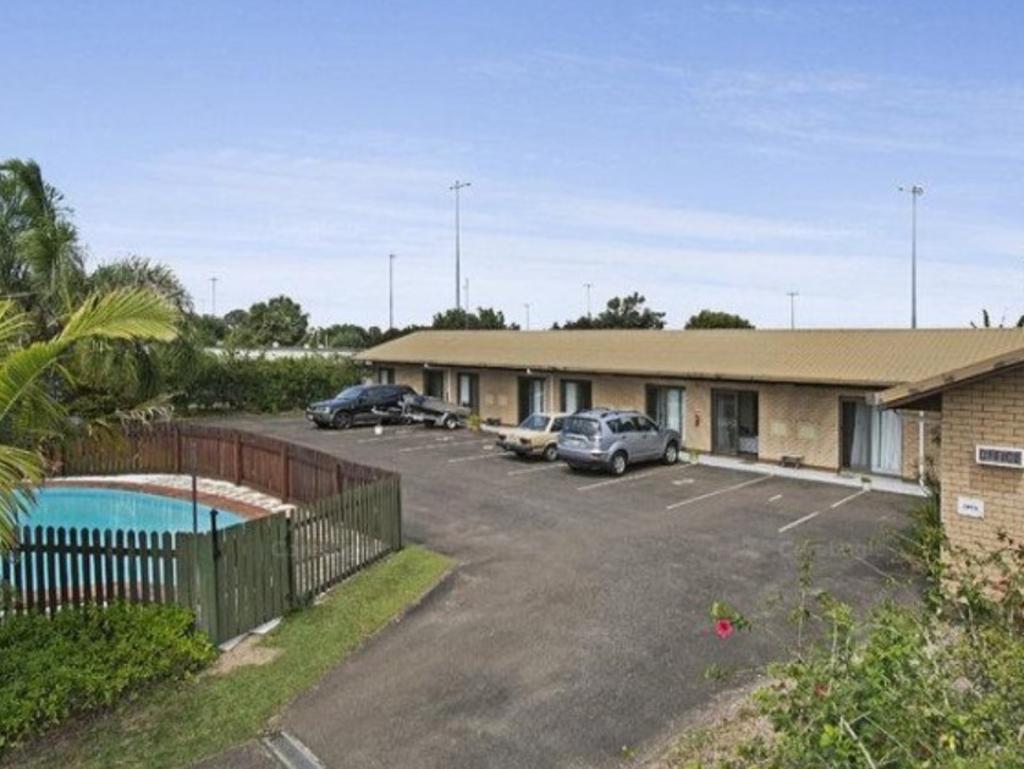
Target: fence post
(286, 480)
(290, 601)
(177, 450)
(238, 458)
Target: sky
(705, 154)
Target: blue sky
(706, 154)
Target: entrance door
(531, 396)
(871, 439)
(734, 422)
(469, 391)
(433, 383)
(667, 407)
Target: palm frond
(129, 313)
(20, 470)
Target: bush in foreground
(938, 687)
(89, 658)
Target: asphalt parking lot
(575, 631)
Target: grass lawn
(176, 724)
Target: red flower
(724, 628)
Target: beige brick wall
(793, 419)
(991, 412)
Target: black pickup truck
(360, 404)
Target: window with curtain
(575, 395)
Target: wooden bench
(792, 460)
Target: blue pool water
(97, 508)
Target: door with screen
(469, 391)
(575, 395)
(531, 396)
(726, 430)
(667, 407)
(433, 383)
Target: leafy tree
(986, 321)
(621, 312)
(717, 319)
(30, 412)
(483, 318)
(343, 336)
(278, 321)
(210, 330)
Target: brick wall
(990, 411)
(793, 419)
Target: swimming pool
(79, 507)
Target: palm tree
(30, 413)
(986, 321)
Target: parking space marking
(776, 498)
(548, 466)
(844, 500)
(475, 457)
(716, 492)
(798, 521)
(610, 481)
(439, 445)
(393, 436)
(816, 513)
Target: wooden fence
(234, 579)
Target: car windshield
(581, 426)
(350, 393)
(534, 422)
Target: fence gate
(238, 581)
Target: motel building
(885, 403)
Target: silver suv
(613, 440)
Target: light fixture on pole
(456, 187)
(792, 308)
(213, 296)
(391, 291)
(527, 306)
(588, 286)
(915, 191)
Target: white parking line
(798, 521)
(816, 513)
(548, 466)
(844, 500)
(392, 436)
(716, 492)
(776, 498)
(435, 446)
(493, 455)
(610, 481)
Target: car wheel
(450, 422)
(671, 455)
(319, 425)
(550, 453)
(342, 420)
(618, 463)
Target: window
(531, 396)
(469, 391)
(385, 376)
(581, 426)
(433, 383)
(667, 407)
(575, 395)
(556, 425)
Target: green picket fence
(234, 579)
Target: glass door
(667, 407)
(531, 396)
(725, 425)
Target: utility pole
(588, 286)
(466, 316)
(213, 296)
(915, 191)
(792, 308)
(527, 306)
(456, 187)
(391, 291)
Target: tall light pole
(466, 314)
(792, 308)
(916, 191)
(456, 187)
(391, 291)
(527, 306)
(213, 296)
(588, 286)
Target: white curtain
(465, 390)
(860, 449)
(886, 442)
(572, 397)
(536, 396)
(674, 410)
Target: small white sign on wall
(972, 507)
(999, 456)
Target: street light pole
(915, 191)
(391, 291)
(588, 286)
(456, 187)
(792, 308)
(527, 306)
(213, 296)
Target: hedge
(89, 658)
(233, 382)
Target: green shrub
(238, 383)
(88, 658)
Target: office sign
(999, 456)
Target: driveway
(575, 631)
